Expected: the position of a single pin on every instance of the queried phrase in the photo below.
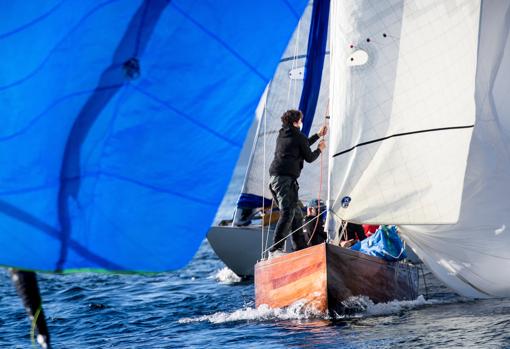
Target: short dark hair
(291, 116)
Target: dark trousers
(285, 193)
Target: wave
(358, 307)
(296, 311)
(364, 307)
(226, 276)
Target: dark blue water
(199, 307)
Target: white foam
(364, 307)
(226, 276)
(361, 307)
(297, 311)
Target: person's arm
(313, 139)
(322, 132)
(307, 153)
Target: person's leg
(281, 187)
(298, 238)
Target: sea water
(205, 305)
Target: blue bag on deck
(384, 243)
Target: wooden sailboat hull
(325, 275)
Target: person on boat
(314, 226)
(370, 229)
(353, 234)
(292, 148)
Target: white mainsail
(401, 122)
(473, 256)
(403, 146)
(283, 93)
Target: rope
(264, 116)
(34, 324)
(292, 232)
(343, 234)
(320, 181)
(268, 225)
(294, 58)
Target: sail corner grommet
(131, 68)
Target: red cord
(320, 188)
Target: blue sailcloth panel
(122, 122)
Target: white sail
(284, 92)
(408, 153)
(403, 77)
(473, 256)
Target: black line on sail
(403, 134)
(125, 66)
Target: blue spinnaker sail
(122, 122)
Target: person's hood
(288, 131)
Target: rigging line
(264, 117)
(320, 179)
(34, 325)
(285, 237)
(403, 134)
(268, 225)
(318, 204)
(296, 47)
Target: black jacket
(317, 229)
(292, 147)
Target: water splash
(359, 307)
(364, 307)
(297, 311)
(226, 276)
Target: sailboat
(419, 139)
(240, 245)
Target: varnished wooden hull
(325, 275)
